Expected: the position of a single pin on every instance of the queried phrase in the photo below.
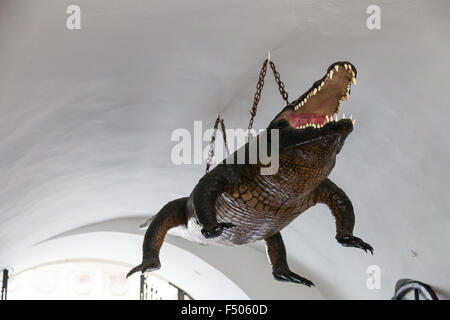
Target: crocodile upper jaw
(317, 106)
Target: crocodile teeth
(336, 117)
(351, 116)
(343, 116)
(326, 118)
(318, 88)
(354, 121)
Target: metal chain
(280, 83)
(256, 98)
(212, 144)
(213, 141)
(259, 87)
(224, 133)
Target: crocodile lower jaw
(319, 120)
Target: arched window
(89, 279)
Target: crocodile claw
(216, 230)
(351, 241)
(289, 276)
(147, 265)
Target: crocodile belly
(253, 220)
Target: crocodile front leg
(277, 257)
(342, 209)
(204, 199)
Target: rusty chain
(222, 124)
(212, 144)
(213, 141)
(259, 87)
(280, 83)
(256, 98)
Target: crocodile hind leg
(277, 257)
(172, 215)
(342, 209)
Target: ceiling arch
(86, 119)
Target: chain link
(222, 124)
(280, 83)
(212, 144)
(256, 98)
(259, 87)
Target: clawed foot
(216, 230)
(351, 241)
(288, 275)
(147, 265)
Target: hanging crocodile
(234, 204)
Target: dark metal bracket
(403, 286)
(5, 284)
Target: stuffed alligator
(235, 204)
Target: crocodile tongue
(297, 119)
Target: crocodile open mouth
(322, 102)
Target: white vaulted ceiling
(86, 118)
